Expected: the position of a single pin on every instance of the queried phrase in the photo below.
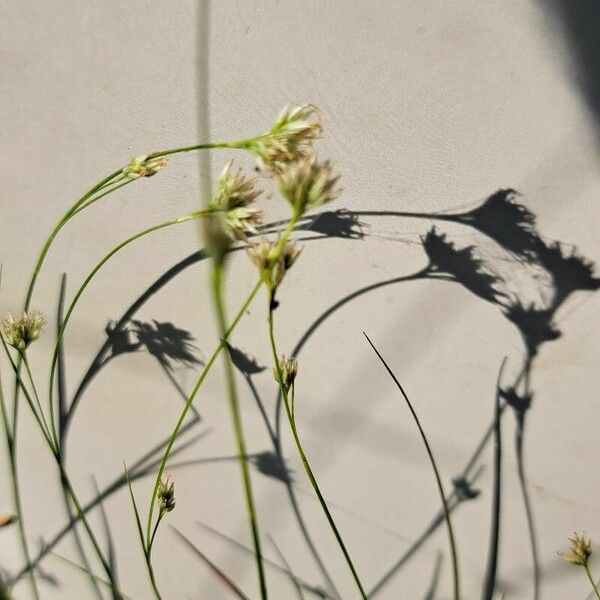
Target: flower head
(290, 138)
(232, 213)
(580, 550)
(143, 166)
(21, 331)
(166, 495)
(307, 183)
(271, 263)
(286, 373)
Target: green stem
(21, 385)
(83, 286)
(217, 290)
(81, 516)
(306, 464)
(63, 221)
(118, 183)
(148, 555)
(17, 506)
(190, 401)
(593, 583)
(436, 472)
(65, 481)
(36, 397)
(161, 514)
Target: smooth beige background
(427, 105)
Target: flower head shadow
(460, 265)
(245, 363)
(569, 272)
(535, 325)
(169, 344)
(272, 465)
(339, 223)
(505, 220)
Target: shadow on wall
(581, 23)
(504, 220)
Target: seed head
(142, 166)
(232, 213)
(166, 495)
(307, 183)
(288, 367)
(273, 268)
(290, 138)
(580, 550)
(21, 331)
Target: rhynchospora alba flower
(290, 138)
(166, 495)
(21, 331)
(307, 183)
(272, 263)
(580, 550)
(288, 368)
(143, 166)
(232, 213)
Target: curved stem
(63, 474)
(63, 221)
(236, 420)
(438, 479)
(84, 285)
(306, 464)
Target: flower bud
(580, 550)
(307, 183)
(166, 495)
(290, 138)
(272, 267)
(232, 214)
(288, 368)
(142, 166)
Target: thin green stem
(304, 459)
(84, 285)
(190, 401)
(63, 221)
(161, 514)
(81, 516)
(592, 582)
(17, 506)
(148, 554)
(37, 399)
(65, 481)
(236, 419)
(118, 183)
(21, 385)
(436, 472)
(145, 548)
